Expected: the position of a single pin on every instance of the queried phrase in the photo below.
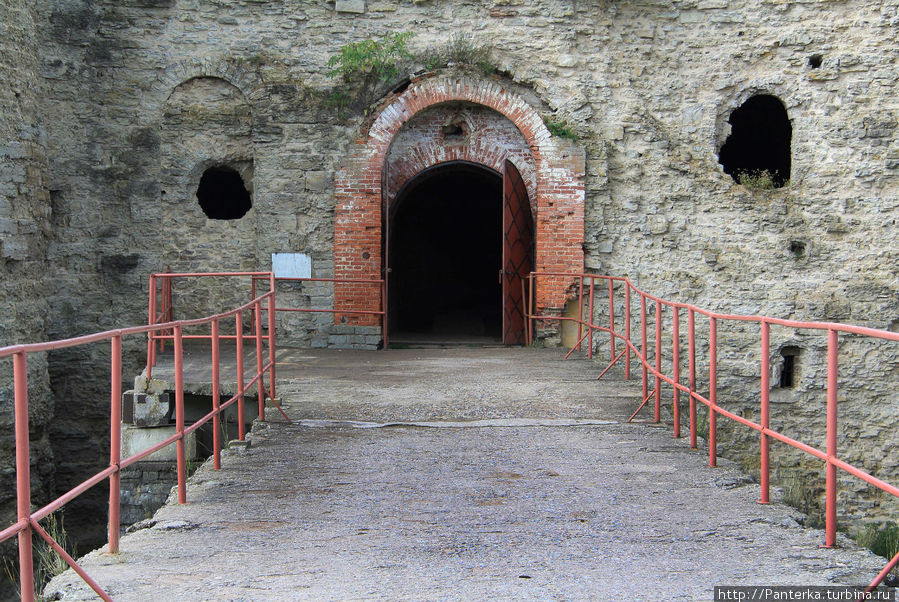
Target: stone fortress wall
(138, 98)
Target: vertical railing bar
(644, 350)
(179, 415)
(151, 342)
(257, 321)
(611, 316)
(580, 312)
(627, 329)
(590, 321)
(675, 337)
(657, 413)
(384, 334)
(713, 391)
(765, 418)
(216, 416)
(691, 343)
(115, 443)
(23, 476)
(238, 327)
(272, 351)
(830, 508)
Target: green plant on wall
(760, 179)
(371, 58)
(560, 128)
(459, 50)
(364, 67)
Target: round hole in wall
(366, 255)
(814, 61)
(222, 194)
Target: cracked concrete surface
(543, 495)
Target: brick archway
(359, 186)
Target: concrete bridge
(465, 473)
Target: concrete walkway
(522, 484)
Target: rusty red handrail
(381, 283)
(833, 329)
(27, 522)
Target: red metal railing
(163, 283)
(28, 521)
(653, 366)
(381, 288)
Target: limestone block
(350, 6)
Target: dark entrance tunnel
(445, 252)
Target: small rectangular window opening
(789, 371)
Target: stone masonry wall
(647, 85)
(24, 229)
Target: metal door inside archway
(459, 237)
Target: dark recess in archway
(759, 142)
(222, 194)
(445, 255)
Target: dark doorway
(445, 255)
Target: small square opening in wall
(291, 265)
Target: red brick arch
(559, 219)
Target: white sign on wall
(291, 265)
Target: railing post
(830, 508)
(675, 337)
(216, 416)
(713, 391)
(691, 343)
(766, 422)
(627, 330)
(238, 328)
(384, 333)
(644, 350)
(180, 444)
(271, 341)
(590, 321)
(658, 401)
(580, 312)
(611, 315)
(115, 443)
(257, 321)
(151, 342)
(23, 476)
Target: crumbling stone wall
(648, 86)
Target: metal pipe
(179, 416)
(713, 391)
(238, 326)
(23, 475)
(384, 326)
(271, 341)
(115, 444)
(691, 342)
(645, 357)
(764, 470)
(590, 321)
(257, 320)
(627, 330)
(611, 314)
(151, 344)
(830, 506)
(580, 311)
(675, 338)
(657, 415)
(217, 417)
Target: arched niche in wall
(206, 211)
